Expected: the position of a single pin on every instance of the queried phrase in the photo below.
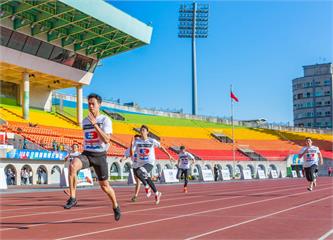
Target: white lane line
(89, 208)
(186, 215)
(326, 235)
(145, 209)
(103, 197)
(257, 218)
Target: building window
(309, 104)
(327, 113)
(318, 94)
(63, 56)
(327, 82)
(307, 84)
(17, 41)
(5, 35)
(31, 46)
(45, 50)
(82, 62)
(327, 93)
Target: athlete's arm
(106, 137)
(132, 147)
(302, 153)
(166, 152)
(321, 158)
(193, 161)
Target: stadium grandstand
(50, 45)
(210, 142)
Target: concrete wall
(41, 97)
(54, 177)
(34, 165)
(280, 166)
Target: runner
(145, 150)
(184, 165)
(134, 166)
(97, 133)
(311, 156)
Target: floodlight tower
(193, 23)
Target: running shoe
(158, 197)
(185, 190)
(134, 198)
(117, 213)
(71, 202)
(148, 192)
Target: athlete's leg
(137, 187)
(185, 177)
(105, 186)
(74, 167)
(143, 175)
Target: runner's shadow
(29, 205)
(26, 225)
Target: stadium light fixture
(193, 23)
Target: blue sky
(257, 46)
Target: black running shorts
(144, 170)
(310, 172)
(181, 172)
(97, 160)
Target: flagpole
(232, 133)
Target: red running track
(269, 209)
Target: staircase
(221, 137)
(250, 153)
(113, 115)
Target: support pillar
(26, 95)
(79, 105)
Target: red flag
(232, 95)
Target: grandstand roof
(93, 28)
